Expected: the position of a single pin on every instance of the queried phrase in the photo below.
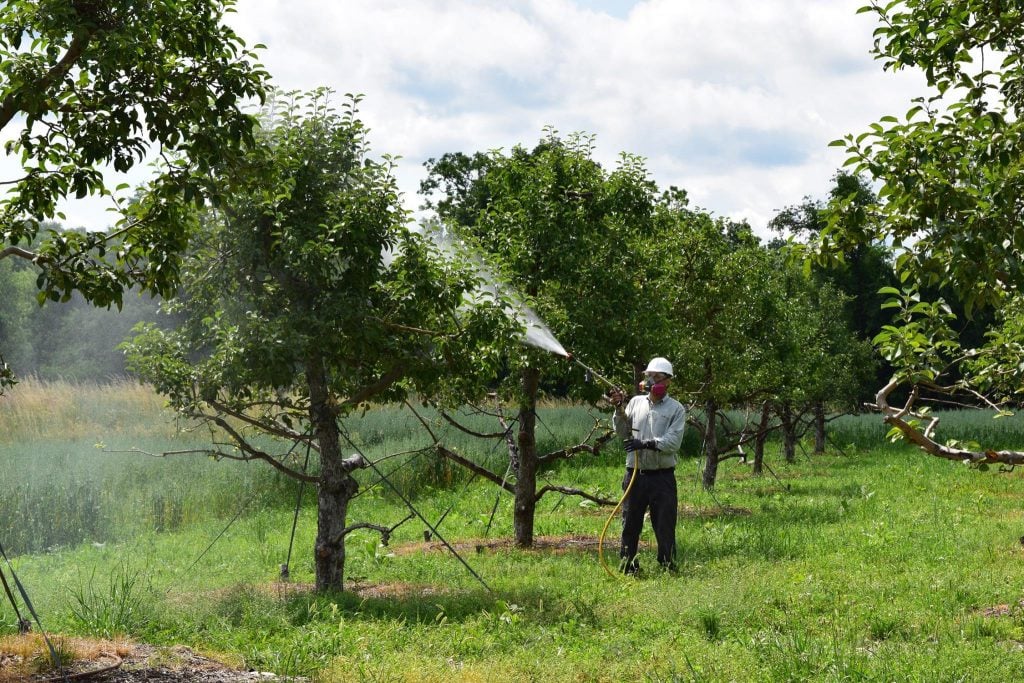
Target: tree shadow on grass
(275, 605)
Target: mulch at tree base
(137, 663)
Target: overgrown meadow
(871, 562)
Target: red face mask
(658, 391)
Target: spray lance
(591, 372)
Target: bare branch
(249, 454)
(966, 389)
(473, 467)
(574, 492)
(19, 252)
(422, 421)
(163, 454)
(384, 531)
(923, 440)
(255, 454)
(407, 328)
(273, 428)
(386, 380)
(584, 447)
(466, 430)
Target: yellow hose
(618, 506)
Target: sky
(734, 101)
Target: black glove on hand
(636, 445)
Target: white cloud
(733, 100)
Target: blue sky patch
(615, 8)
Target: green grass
(881, 564)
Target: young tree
(306, 297)
(950, 203)
(562, 230)
(88, 85)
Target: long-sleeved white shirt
(645, 420)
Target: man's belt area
(663, 470)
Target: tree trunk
(710, 445)
(819, 427)
(526, 474)
(762, 436)
(335, 488)
(788, 431)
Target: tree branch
(422, 421)
(585, 447)
(12, 104)
(256, 454)
(894, 416)
(273, 428)
(19, 252)
(384, 531)
(573, 492)
(466, 430)
(222, 455)
(386, 380)
(473, 467)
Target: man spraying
(651, 426)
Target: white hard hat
(659, 364)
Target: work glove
(636, 445)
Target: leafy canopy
(562, 231)
(950, 202)
(86, 86)
(309, 266)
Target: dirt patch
(26, 658)
(556, 544)
(1002, 610)
(395, 589)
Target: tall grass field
(871, 562)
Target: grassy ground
(881, 564)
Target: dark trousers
(654, 489)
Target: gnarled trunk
(335, 488)
(526, 473)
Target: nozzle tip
(568, 356)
